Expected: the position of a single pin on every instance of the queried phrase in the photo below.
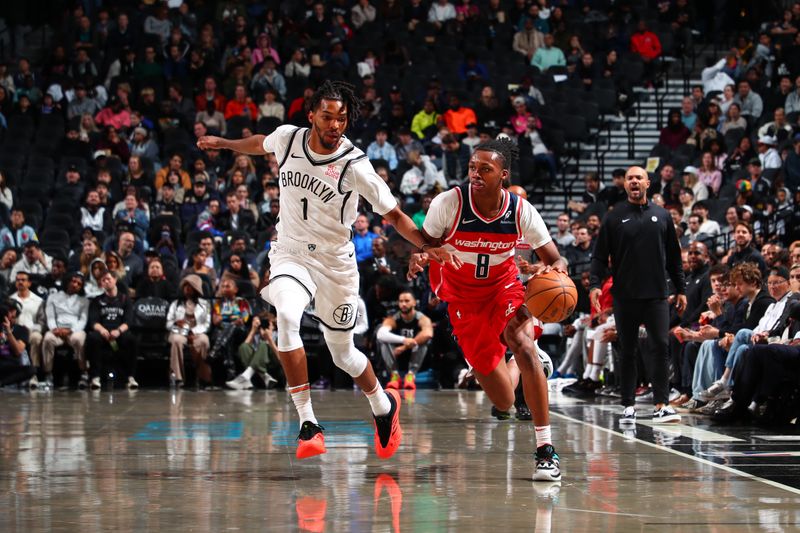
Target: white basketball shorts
(328, 275)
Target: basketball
(551, 297)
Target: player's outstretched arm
(253, 145)
(406, 227)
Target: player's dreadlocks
(341, 91)
(505, 147)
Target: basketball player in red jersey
(481, 223)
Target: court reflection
(214, 462)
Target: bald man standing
(640, 239)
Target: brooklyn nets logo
(343, 314)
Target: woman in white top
(270, 107)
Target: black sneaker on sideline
(523, 413)
(500, 415)
(548, 465)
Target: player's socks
(310, 441)
(301, 396)
(378, 400)
(543, 436)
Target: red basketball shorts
(478, 326)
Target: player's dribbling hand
(209, 142)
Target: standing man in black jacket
(640, 239)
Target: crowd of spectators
(121, 238)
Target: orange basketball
(551, 297)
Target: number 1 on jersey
(304, 201)
(482, 266)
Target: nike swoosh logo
(470, 221)
(297, 156)
(350, 254)
(509, 285)
(624, 220)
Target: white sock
(543, 436)
(248, 372)
(594, 371)
(301, 396)
(378, 401)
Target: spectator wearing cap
(767, 154)
(519, 119)
(267, 78)
(749, 101)
(792, 165)
(457, 116)
(17, 233)
(762, 187)
(691, 181)
(548, 56)
(33, 261)
(67, 312)
(380, 148)
(142, 145)
(196, 199)
(168, 203)
(82, 103)
(73, 187)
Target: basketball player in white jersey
(321, 177)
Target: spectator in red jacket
(209, 94)
(240, 105)
(648, 46)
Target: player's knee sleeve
(290, 299)
(344, 353)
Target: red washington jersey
(486, 246)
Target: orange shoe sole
(394, 385)
(410, 385)
(309, 448)
(397, 432)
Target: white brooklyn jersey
(319, 194)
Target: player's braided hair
(341, 91)
(503, 146)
